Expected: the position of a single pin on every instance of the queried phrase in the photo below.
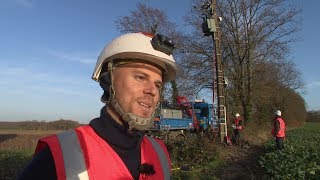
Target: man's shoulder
(279, 119)
(153, 136)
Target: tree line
(40, 125)
(313, 116)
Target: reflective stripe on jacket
(282, 128)
(81, 154)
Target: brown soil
(242, 163)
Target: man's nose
(151, 88)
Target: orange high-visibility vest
(80, 153)
(237, 124)
(282, 129)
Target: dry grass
(16, 140)
(27, 132)
(256, 134)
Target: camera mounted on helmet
(162, 43)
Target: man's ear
(105, 83)
(105, 79)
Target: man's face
(137, 87)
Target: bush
(300, 159)
(193, 157)
(11, 163)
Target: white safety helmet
(237, 115)
(278, 112)
(139, 46)
(133, 47)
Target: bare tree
(256, 31)
(146, 19)
(256, 35)
(197, 54)
(152, 20)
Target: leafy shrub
(11, 163)
(197, 157)
(300, 159)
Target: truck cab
(203, 113)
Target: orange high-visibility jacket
(282, 129)
(80, 153)
(237, 123)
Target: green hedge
(12, 162)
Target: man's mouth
(144, 105)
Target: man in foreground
(131, 70)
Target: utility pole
(211, 27)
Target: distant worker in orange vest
(237, 127)
(131, 71)
(279, 130)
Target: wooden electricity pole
(211, 28)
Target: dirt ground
(242, 163)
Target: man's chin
(142, 115)
(145, 117)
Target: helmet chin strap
(134, 121)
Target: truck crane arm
(187, 107)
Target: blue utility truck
(194, 116)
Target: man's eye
(159, 86)
(139, 77)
